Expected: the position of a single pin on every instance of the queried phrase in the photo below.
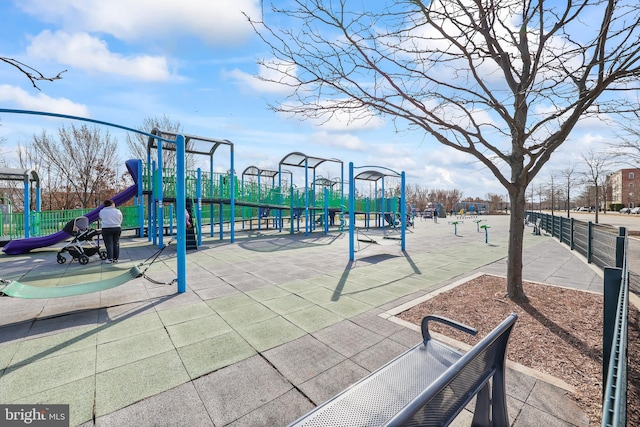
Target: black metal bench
(536, 227)
(428, 385)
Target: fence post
(620, 246)
(612, 284)
(571, 242)
(589, 241)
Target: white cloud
(339, 115)
(267, 78)
(83, 51)
(338, 140)
(41, 102)
(218, 22)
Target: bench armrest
(460, 326)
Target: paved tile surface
(270, 325)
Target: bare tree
(568, 176)
(505, 81)
(495, 201)
(3, 140)
(137, 142)
(32, 74)
(625, 148)
(447, 198)
(595, 174)
(81, 166)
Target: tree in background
(79, 168)
(568, 180)
(496, 202)
(447, 198)
(3, 161)
(626, 147)
(505, 81)
(137, 143)
(597, 169)
(420, 196)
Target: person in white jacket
(111, 219)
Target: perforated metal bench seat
(427, 385)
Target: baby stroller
(82, 246)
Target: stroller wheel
(61, 259)
(84, 260)
(103, 255)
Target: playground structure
(27, 177)
(216, 200)
(470, 209)
(163, 196)
(432, 210)
(382, 209)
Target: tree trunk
(516, 235)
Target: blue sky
(195, 61)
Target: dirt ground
(558, 332)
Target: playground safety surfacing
(270, 325)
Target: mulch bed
(558, 332)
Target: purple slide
(22, 246)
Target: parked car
(635, 210)
(583, 209)
(624, 210)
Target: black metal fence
(595, 242)
(608, 248)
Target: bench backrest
(427, 385)
(443, 400)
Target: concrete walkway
(270, 325)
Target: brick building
(625, 187)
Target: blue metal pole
(211, 184)
(306, 196)
(27, 209)
(352, 213)
(259, 209)
(38, 198)
(292, 209)
(220, 207)
(232, 187)
(326, 210)
(171, 220)
(140, 201)
(151, 201)
(383, 203)
(314, 199)
(160, 218)
(198, 230)
(291, 201)
(181, 250)
(154, 219)
(403, 212)
(341, 194)
(243, 195)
